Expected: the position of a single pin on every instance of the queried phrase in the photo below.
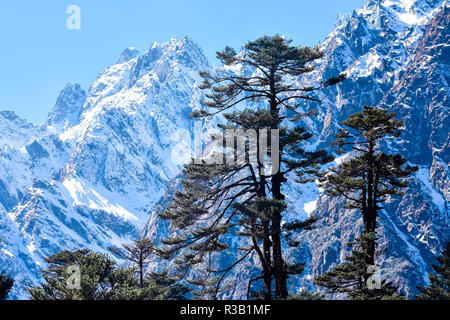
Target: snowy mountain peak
(94, 182)
(397, 15)
(341, 20)
(8, 115)
(168, 60)
(184, 51)
(128, 54)
(15, 131)
(67, 109)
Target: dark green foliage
(161, 286)
(241, 196)
(101, 279)
(137, 253)
(439, 287)
(350, 277)
(6, 283)
(305, 295)
(365, 180)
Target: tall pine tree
(138, 253)
(365, 180)
(217, 198)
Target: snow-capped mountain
(94, 173)
(396, 56)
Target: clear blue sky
(39, 55)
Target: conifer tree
(218, 198)
(162, 286)
(365, 180)
(370, 176)
(99, 278)
(439, 287)
(350, 278)
(138, 253)
(6, 283)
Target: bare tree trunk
(279, 266)
(141, 271)
(267, 272)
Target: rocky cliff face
(396, 56)
(92, 176)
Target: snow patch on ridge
(423, 175)
(82, 193)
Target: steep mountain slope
(91, 175)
